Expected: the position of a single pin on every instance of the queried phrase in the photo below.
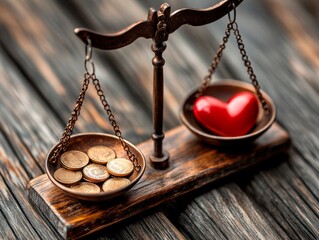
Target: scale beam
(147, 29)
(158, 26)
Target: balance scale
(173, 167)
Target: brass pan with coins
(83, 142)
(79, 164)
(224, 91)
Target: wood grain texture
(14, 215)
(6, 231)
(140, 227)
(48, 57)
(193, 165)
(223, 213)
(297, 203)
(28, 124)
(17, 163)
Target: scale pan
(83, 142)
(223, 91)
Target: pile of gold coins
(98, 170)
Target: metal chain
(70, 125)
(62, 145)
(214, 64)
(250, 70)
(232, 25)
(114, 124)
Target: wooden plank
(28, 123)
(287, 204)
(223, 213)
(19, 107)
(202, 163)
(15, 178)
(14, 215)
(6, 231)
(139, 227)
(287, 198)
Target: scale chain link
(114, 124)
(250, 70)
(208, 78)
(61, 147)
(70, 125)
(214, 64)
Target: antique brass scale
(203, 166)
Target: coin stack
(98, 170)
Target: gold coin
(67, 176)
(120, 167)
(85, 187)
(95, 173)
(101, 154)
(74, 160)
(115, 183)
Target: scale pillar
(160, 157)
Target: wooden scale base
(193, 164)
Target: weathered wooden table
(41, 71)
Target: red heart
(231, 119)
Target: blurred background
(41, 66)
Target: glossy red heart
(231, 119)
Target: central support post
(159, 159)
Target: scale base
(160, 162)
(193, 164)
